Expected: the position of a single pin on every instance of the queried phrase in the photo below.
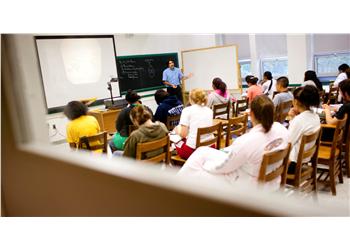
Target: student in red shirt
(254, 89)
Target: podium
(106, 119)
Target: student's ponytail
(220, 85)
(140, 114)
(263, 110)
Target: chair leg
(332, 178)
(340, 176)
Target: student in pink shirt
(254, 89)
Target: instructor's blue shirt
(172, 76)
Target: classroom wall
(135, 44)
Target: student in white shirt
(342, 75)
(310, 78)
(304, 120)
(269, 84)
(242, 160)
(198, 115)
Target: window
(277, 66)
(327, 64)
(245, 69)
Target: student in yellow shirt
(81, 124)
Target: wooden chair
(233, 107)
(322, 94)
(346, 148)
(281, 111)
(271, 158)
(100, 138)
(172, 121)
(215, 130)
(331, 155)
(236, 126)
(241, 105)
(305, 176)
(144, 151)
(221, 109)
(333, 94)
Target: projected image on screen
(76, 68)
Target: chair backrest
(236, 126)
(309, 155)
(338, 137)
(322, 94)
(215, 130)
(233, 107)
(221, 109)
(281, 111)
(100, 141)
(333, 94)
(271, 158)
(172, 121)
(241, 105)
(162, 145)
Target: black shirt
(123, 121)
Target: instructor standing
(172, 77)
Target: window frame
(318, 55)
(241, 62)
(269, 59)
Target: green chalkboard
(143, 72)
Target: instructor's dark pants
(177, 91)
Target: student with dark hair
(304, 120)
(167, 105)
(268, 84)
(240, 161)
(254, 89)
(342, 75)
(147, 131)
(172, 77)
(310, 78)
(123, 121)
(347, 72)
(284, 95)
(220, 95)
(344, 90)
(81, 124)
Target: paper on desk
(175, 138)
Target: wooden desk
(106, 119)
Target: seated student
(310, 78)
(220, 95)
(304, 120)
(342, 74)
(147, 131)
(284, 95)
(81, 124)
(347, 73)
(268, 84)
(344, 90)
(123, 122)
(198, 115)
(240, 160)
(254, 89)
(167, 105)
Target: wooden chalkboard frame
(208, 48)
(173, 55)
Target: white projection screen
(208, 63)
(77, 67)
